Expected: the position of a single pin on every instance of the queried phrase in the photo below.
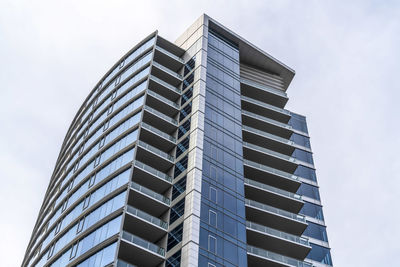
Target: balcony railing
(159, 132)
(143, 243)
(162, 115)
(271, 152)
(153, 171)
(268, 135)
(271, 121)
(272, 189)
(167, 70)
(147, 217)
(164, 99)
(121, 263)
(156, 151)
(277, 257)
(271, 170)
(277, 233)
(169, 54)
(150, 193)
(277, 211)
(263, 87)
(165, 84)
(260, 103)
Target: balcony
(151, 155)
(269, 157)
(154, 117)
(271, 176)
(269, 95)
(144, 225)
(277, 241)
(163, 88)
(166, 106)
(266, 124)
(272, 196)
(266, 110)
(151, 134)
(165, 74)
(261, 257)
(138, 251)
(148, 200)
(275, 218)
(167, 58)
(151, 177)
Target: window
(212, 218)
(97, 161)
(102, 141)
(320, 254)
(306, 173)
(174, 260)
(73, 251)
(213, 194)
(58, 227)
(177, 211)
(175, 236)
(178, 188)
(309, 191)
(211, 265)
(86, 203)
(80, 225)
(65, 204)
(110, 109)
(184, 128)
(312, 210)
(92, 180)
(182, 147)
(181, 166)
(316, 231)
(212, 244)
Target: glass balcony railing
(143, 243)
(167, 70)
(169, 54)
(156, 151)
(270, 152)
(271, 170)
(166, 100)
(268, 135)
(277, 257)
(121, 263)
(147, 217)
(277, 233)
(150, 193)
(272, 189)
(280, 212)
(271, 121)
(159, 132)
(161, 115)
(264, 87)
(165, 84)
(268, 106)
(153, 171)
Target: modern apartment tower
(184, 155)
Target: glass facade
(184, 155)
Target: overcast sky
(346, 55)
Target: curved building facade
(183, 155)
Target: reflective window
(316, 231)
(175, 236)
(306, 173)
(300, 140)
(101, 258)
(178, 188)
(320, 254)
(177, 211)
(174, 260)
(309, 191)
(312, 210)
(298, 122)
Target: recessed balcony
(166, 74)
(151, 177)
(163, 104)
(138, 251)
(154, 157)
(261, 257)
(275, 218)
(154, 117)
(272, 196)
(277, 241)
(168, 59)
(158, 138)
(163, 88)
(271, 176)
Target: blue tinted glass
(312, 210)
(306, 172)
(320, 254)
(300, 140)
(309, 191)
(298, 122)
(316, 231)
(303, 156)
(174, 260)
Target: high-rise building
(184, 155)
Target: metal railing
(153, 171)
(157, 131)
(143, 243)
(150, 193)
(277, 211)
(165, 84)
(161, 115)
(147, 217)
(271, 170)
(156, 151)
(272, 189)
(277, 257)
(167, 70)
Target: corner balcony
(264, 109)
(148, 200)
(269, 157)
(151, 134)
(163, 88)
(168, 59)
(153, 156)
(261, 257)
(150, 177)
(275, 218)
(137, 251)
(166, 74)
(144, 225)
(266, 124)
(258, 91)
(271, 176)
(277, 241)
(154, 117)
(163, 104)
(272, 196)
